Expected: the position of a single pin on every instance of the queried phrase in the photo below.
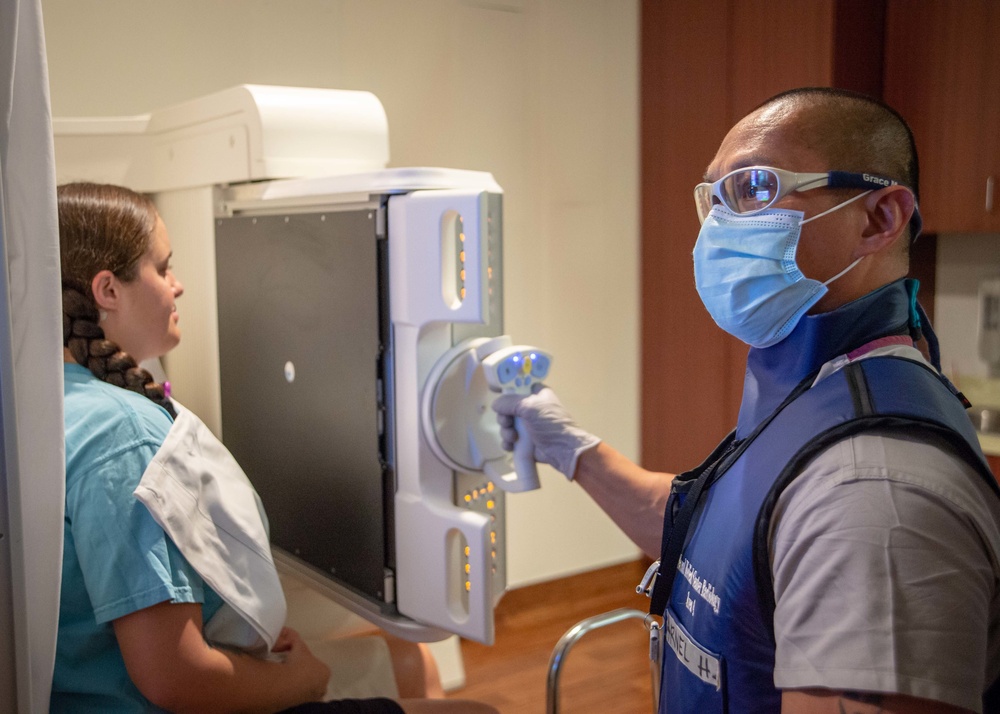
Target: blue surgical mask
(746, 274)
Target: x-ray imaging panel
(299, 340)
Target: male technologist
(840, 551)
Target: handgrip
(524, 462)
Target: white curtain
(30, 364)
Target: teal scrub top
(116, 559)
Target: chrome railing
(573, 635)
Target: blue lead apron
(714, 586)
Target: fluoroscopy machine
(349, 339)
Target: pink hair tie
(166, 389)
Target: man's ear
(104, 286)
(889, 211)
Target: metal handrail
(571, 637)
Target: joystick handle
(524, 462)
(515, 370)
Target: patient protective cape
(200, 496)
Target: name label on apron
(700, 662)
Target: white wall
(542, 93)
(963, 261)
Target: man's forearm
(633, 497)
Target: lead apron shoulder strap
(199, 495)
(675, 530)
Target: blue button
(507, 370)
(519, 381)
(540, 366)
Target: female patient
(133, 608)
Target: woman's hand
(303, 664)
(284, 641)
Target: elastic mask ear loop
(837, 207)
(845, 271)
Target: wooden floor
(606, 672)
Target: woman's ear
(889, 211)
(104, 286)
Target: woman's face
(145, 322)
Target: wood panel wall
(705, 64)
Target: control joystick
(515, 370)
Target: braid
(83, 336)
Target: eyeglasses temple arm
(804, 182)
(848, 179)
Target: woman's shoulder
(95, 411)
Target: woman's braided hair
(102, 227)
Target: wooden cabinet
(942, 73)
(994, 462)
(704, 65)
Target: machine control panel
(514, 370)
(479, 494)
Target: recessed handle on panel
(462, 258)
(478, 582)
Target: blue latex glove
(558, 440)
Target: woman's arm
(169, 661)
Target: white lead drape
(32, 478)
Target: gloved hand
(558, 440)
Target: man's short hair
(859, 133)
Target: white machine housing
(249, 156)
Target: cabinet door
(991, 125)
(942, 72)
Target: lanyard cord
(673, 541)
(675, 531)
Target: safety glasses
(755, 188)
